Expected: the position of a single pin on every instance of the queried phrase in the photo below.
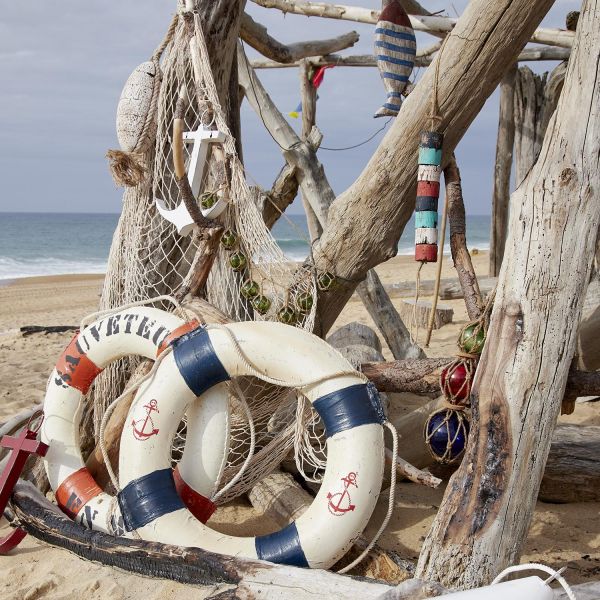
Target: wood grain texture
(502, 170)
(522, 376)
(487, 36)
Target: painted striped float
(395, 49)
(145, 332)
(349, 408)
(428, 192)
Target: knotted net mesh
(149, 258)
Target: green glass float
(261, 304)
(472, 338)
(304, 302)
(229, 239)
(238, 261)
(325, 281)
(287, 315)
(250, 289)
(208, 200)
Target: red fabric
(75, 368)
(426, 252)
(317, 79)
(200, 506)
(76, 491)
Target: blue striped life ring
(138, 331)
(351, 413)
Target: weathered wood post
(519, 386)
(502, 169)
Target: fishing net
(251, 278)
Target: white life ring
(141, 331)
(351, 412)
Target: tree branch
(366, 232)
(458, 241)
(430, 24)
(422, 60)
(257, 36)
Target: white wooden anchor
(201, 140)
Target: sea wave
(11, 268)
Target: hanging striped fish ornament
(395, 49)
(428, 192)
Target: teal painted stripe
(426, 218)
(430, 156)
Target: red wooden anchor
(21, 446)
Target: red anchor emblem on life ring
(340, 502)
(143, 433)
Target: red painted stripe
(75, 368)
(200, 506)
(176, 333)
(426, 252)
(428, 188)
(76, 491)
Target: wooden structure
(525, 369)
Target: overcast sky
(63, 64)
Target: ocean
(34, 244)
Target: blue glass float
(446, 434)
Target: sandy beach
(560, 534)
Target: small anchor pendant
(140, 433)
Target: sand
(560, 534)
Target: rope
(360, 143)
(254, 371)
(391, 499)
(167, 39)
(132, 388)
(413, 317)
(111, 311)
(238, 475)
(435, 118)
(554, 575)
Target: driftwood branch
(366, 232)
(386, 317)
(285, 187)
(422, 59)
(458, 240)
(502, 170)
(194, 566)
(257, 36)
(430, 24)
(298, 153)
(31, 329)
(523, 372)
(422, 376)
(410, 472)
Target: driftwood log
(488, 33)
(423, 58)
(419, 22)
(31, 329)
(521, 379)
(502, 169)
(443, 313)
(458, 241)
(450, 289)
(257, 36)
(243, 579)
(386, 317)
